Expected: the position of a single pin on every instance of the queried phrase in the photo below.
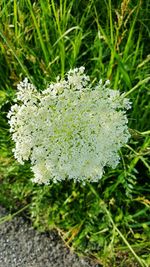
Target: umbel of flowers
(71, 130)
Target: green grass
(108, 221)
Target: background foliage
(108, 221)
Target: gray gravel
(23, 246)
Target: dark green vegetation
(42, 39)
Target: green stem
(11, 216)
(137, 85)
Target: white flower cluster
(70, 130)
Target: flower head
(70, 130)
